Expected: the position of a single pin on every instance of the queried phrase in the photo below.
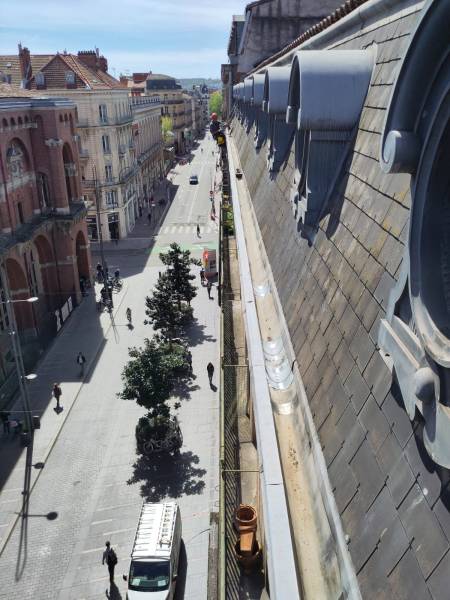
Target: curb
(52, 443)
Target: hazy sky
(183, 38)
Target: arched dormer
(416, 140)
(249, 111)
(261, 119)
(276, 88)
(327, 89)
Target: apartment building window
(108, 172)
(103, 113)
(70, 78)
(106, 144)
(111, 199)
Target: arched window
(20, 121)
(12, 122)
(4, 123)
(16, 159)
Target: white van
(155, 554)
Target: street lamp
(17, 351)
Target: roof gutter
(281, 562)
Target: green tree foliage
(151, 374)
(215, 103)
(166, 127)
(163, 310)
(178, 263)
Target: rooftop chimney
(25, 66)
(89, 58)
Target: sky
(182, 38)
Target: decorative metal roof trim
(401, 138)
(261, 118)
(327, 89)
(416, 140)
(280, 133)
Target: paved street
(90, 485)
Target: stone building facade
(266, 27)
(343, 139)
(44, 247)
(106, 132)
(173, 100)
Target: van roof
(154, 533)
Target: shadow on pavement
(182, 572)
(195, 334)
(114, 592)
(166, 475)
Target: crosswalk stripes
(187, 229)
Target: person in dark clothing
(149, 217)
(198, 230)
(110, 557)
(81, 359)
(209, 287)
(210, 369)
(5, 420)
(202, 276)
(57, 394)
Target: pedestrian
(140, 211)
(149, 217)
(198, 230)
(208, 287)
(81, 359)
(116, 239)
(202, 276)
(83, 285)
(100, 273)
(210, 369)
(5, 420)
(57, 394)
(110, 557)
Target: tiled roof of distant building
(10, 65)
(89, 67)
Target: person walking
(149, 218)
(198, 230)
(210, 369)
(6, 423)
(208, 287)
(110, 557)
(81, 359)
(57, 394)
(202, 276)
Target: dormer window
(70, 78)
(40, 80)
(103, 113)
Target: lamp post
(17, 351)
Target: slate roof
(393, 500)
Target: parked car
(193, 179)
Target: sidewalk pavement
(85, 331)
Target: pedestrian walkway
(85, 331)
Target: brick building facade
(44, 248)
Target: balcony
(27, 231)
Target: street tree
(149, 378)
(166, 128)
(164, 311)
(215, 103)
(178, 263)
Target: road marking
(116, 506)
(102, 521)
(19, 489)
(94, 550)
(8, 501)
(119, 531)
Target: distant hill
(211, 83)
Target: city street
(87, 483)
